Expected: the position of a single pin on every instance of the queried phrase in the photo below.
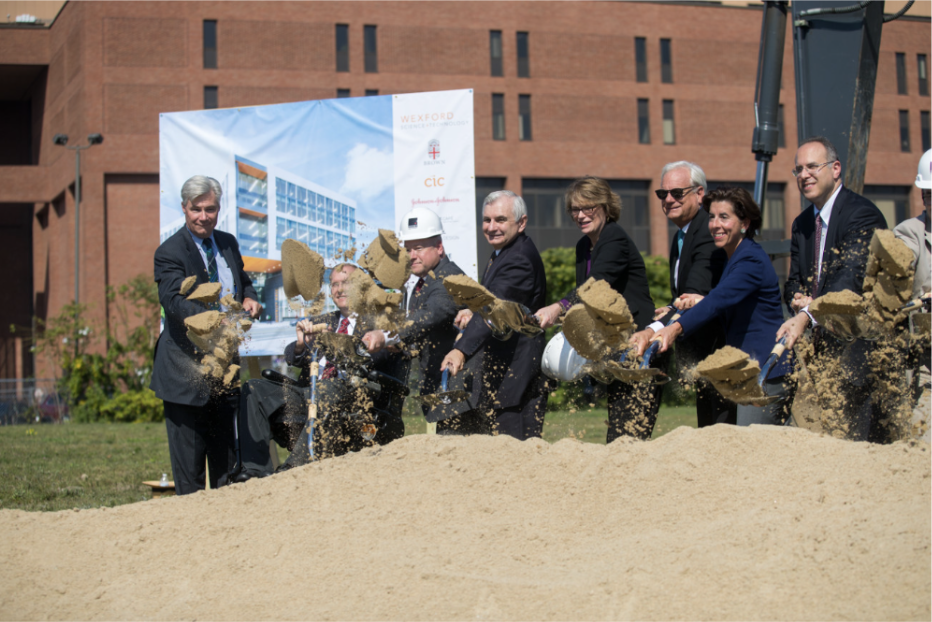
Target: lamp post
(62, 141)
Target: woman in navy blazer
(746, 299)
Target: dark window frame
(905, 145)
(342, 93)
(669, 115)
(209, 34)
(371, 48)
(640, 59)
(524, 118)
(666, 61)
(341, 35)
(211, 97)
(523, 41)
(643, 111)
(498, 116)
(496, 62)
(901, 88)
(922, 72)
(925, 130)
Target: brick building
(613, 89)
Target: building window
(211, 98)
(524, 56)
(893, 202)
(498, 116)
(922, 63)
(640, 58)
(901, 73)
(926, 131)
(781, 129)
(666, 62)
(342, 47)
(669, 131)
(372, 92)
(904, 131)
(343, 93)
(210, 44)
(643, 122)
(495, 52)
(524, 117)
(371, 48)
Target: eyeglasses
(676, 193)
(585, 211)
(812, 169)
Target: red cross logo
(433, 149)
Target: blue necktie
(680, 236)
(212, 272)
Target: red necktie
(331, 370)
(419, 285)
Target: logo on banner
(433, 149)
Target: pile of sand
(604, 303)
(600, 324)
(387, 260)
(718, 523)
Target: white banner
(329, 173)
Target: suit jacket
(701, 267)
(429, 331)
(746, 302)
(616, 260)
(509, 371)
(174, 374)
(916, 235)
(847, 243)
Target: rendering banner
(328, 173)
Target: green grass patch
(89, 465)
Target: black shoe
(241, 477)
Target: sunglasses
(676, 193)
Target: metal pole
(77, 222)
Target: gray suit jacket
(915, 233)
(174, 374)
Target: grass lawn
(87, 465)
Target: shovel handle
(775, 355)
(651, 351)
(444, 378)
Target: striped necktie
(212, 272)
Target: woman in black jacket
(606, 252)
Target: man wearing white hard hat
(915, 234)
(429, 332)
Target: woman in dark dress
(606, 252)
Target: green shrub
(140, 405)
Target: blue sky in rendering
(342, 144)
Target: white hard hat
(561, 361)
(419, 224)
(924, 174)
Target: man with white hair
(509, 392)
(696, 265)
(199, 409)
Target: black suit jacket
(850, 229)
(174, 374)
(616, 260)
(509, 371)
(429, 331)
(701, 267)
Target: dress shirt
(825, 213)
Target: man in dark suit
(828, 253)
(279, 412)
(199, 410)
(696, 266)
(428, 332)
(510, 394)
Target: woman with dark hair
(746, 299)
(606, 252)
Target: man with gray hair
(509, 393)
(199, 409)
(696, 265)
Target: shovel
(646, 373)
(312, 406)
(445, 397)
(915, 303)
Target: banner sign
(329, 173)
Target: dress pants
(632, 409)
(196, 433)
(272, 412)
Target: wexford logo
(433, 149)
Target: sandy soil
(719, 523)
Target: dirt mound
(699, 524)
